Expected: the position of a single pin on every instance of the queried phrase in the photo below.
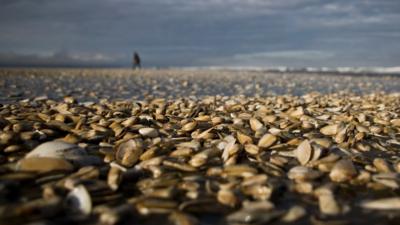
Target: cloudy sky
(295, 33)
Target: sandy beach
(170, 146)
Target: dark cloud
(201, 33)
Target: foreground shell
(79, 200)
(302, 173)
(57, 149)
(343, 171)
(254, 213)
(382, 204)
(44, 165)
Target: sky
(185, 33)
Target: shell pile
(315, 158)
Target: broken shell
(330, 130)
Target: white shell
(304, 152)
(382, 204)
(148, 132)
(57, 149)
(79, 199)
(302, 173)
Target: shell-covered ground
(198, 147)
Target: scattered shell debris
(278, 159)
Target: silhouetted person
(136, 61)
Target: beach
(198, 146)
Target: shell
(148, 132)
(44, 165)
(114, 177)
(181, 218)
(294, 214)
(79, 200)
(227, 197)
(57, 149)
(342, 171)
(327, 201)
(128, 152)
(304, 152)
(254, 213)
(382, 165)
(252, 149)
(330, 130)
(255, 124)
(244, 139)
(189, 126)
(267, 140)
(382, 204)
(302, 173)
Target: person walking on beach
(136, 61)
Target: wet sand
(198, 147)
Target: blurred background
(189, 33)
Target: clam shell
(395, 122)
(342, 171)
(57, 149)
(294, 213)
(330, 130)
(382, 204)
(304, 152)
(128, 152)
(267, 140)
(328, 204)
(244, 139)
(44, 165)
(255, 124)
(302, 173)
(189, 126)
(180, 218)
(148, 132)
(254, 215)
(227, 197)
(79, 200)
(382, 165)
